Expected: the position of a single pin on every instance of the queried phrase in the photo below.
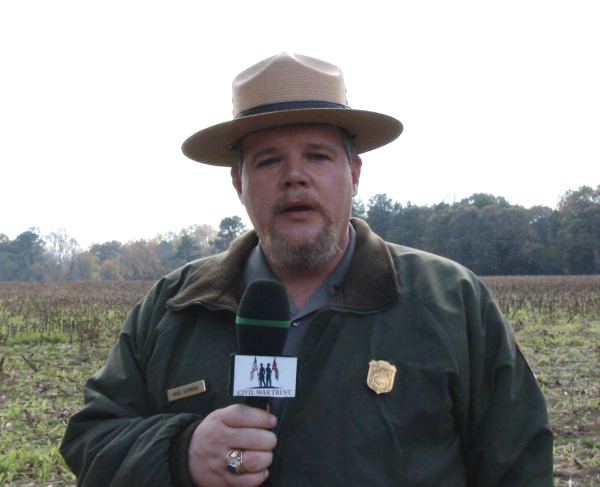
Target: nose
(295, 173)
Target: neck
(302, 283)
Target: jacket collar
(370, 283)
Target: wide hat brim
(213, 144)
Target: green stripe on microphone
(250, 321)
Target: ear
(355, 171)
(236, 180)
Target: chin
(301, 250)
(303, 239)
(299, 233)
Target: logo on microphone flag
(268, 377)
(254, 369)
(275, 369)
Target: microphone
(262, 326)
(263, 320)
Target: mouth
(297, 210)
(295, 207)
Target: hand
(236, 426)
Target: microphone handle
(258, 402)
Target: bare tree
(62, 249)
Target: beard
(297, 255)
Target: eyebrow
(318, 146)
(268, 150)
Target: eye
(267, 162)
(319, 156)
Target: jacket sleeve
(507, 437)
(119, 438)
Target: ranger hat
(289, 89)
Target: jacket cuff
(179, 457)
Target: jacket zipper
(272, 481)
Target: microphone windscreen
(263, 319)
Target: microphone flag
(283, 371)
(262, 325)
(254, 369)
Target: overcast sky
(96, 99)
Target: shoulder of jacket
(149, 312)
(418, 270)
(169, 285)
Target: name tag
(185, 391)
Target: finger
(256, 461)
(252, 439)
(242, 416)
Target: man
(408, 373)
(269, 384)
(261, 376)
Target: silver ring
(234, 462)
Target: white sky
(97, 97)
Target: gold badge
(381, 376)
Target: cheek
(248, 196)
(345, 189)
(257, 202)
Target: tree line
(483, 232)
(57, 256)
(492, 237)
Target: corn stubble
(53, 336)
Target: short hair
(347, 140)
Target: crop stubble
(53, 336)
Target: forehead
(302, 134)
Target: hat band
(288, 105)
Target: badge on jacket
(381, 376)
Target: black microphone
(262, 326)
(263, 320)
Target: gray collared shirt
(257, 267)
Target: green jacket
(464, 410)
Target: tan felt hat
(289, 89)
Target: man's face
(297, 184)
